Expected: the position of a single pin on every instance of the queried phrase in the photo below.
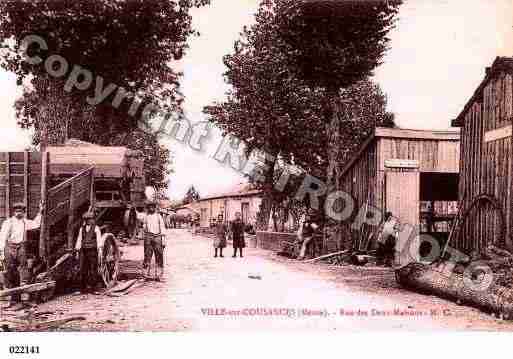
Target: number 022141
(24, 349)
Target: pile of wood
(33, 321)
(485, 281)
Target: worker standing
(87, 246)
(13, 243)
(154, 239)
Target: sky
(438, 53)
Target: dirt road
(206, 293)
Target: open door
(403, 200)
(403, 196)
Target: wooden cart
(76, 181)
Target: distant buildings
(241, 198)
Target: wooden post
(92, 200)
(8, 185)
(44, 216)
(71, 217)
(26, 181)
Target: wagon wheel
(477, 203)
(109, 261)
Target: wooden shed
(486, 166)
(412, 173)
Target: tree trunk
(334, 150)
(425, 279)
(267, 199)
(332, 176)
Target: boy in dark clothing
(87, 245)
(237, 229)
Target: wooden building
(486, 165)
(241, 198)
(412, 173)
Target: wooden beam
(417, 134)
(70, 180)
(8, 186)
(92, 200)
(326, 256)
(44, 231)
(26, 180)
(31, 288)
(498, 134)
(71, 217)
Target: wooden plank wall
(365, 180)
(486, 167)
(20, 181)
(65, 198)
(433, 155)
(360, 182)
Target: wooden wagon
(68, 181)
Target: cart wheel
(109, 261)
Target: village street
(199, 287)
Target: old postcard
(255, 166)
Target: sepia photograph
(254, 166)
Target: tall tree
(267, 107)
(128, 43)
(273, 109)
(334, 44)
(192, 195)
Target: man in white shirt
(87, 244)
(387, 238)
(306, 234)
(13, 236)
(154, 239)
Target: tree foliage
(272, 107)
(335, 43)
(129, 43)
(192, 195)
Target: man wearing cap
(13, 236)
(306, 234)
(87, 246)
(154, 238)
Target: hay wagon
(68, 181)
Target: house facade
(241, 198)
